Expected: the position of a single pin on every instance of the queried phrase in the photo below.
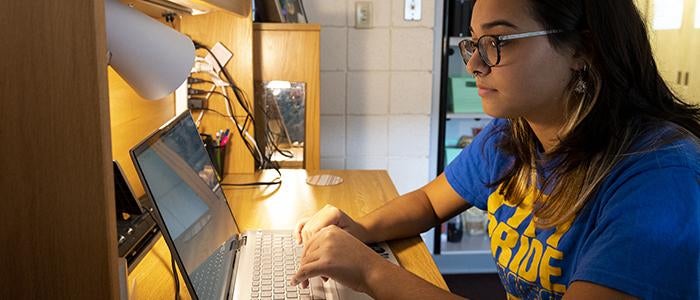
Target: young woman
(590, 172)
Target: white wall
(376, 89)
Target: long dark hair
(625, 99)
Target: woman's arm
(412, 213)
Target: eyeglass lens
(488, 50)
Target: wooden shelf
(287, 26)
(240, 8)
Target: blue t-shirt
(639, 234)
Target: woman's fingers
(298, 230)
(307, 271)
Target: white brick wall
(376, 88)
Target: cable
(248, 140)
(149, 210)
(214, 111)
(170, 18)
(275, 181)
(177, 279)
(263, 161)
(240, 95)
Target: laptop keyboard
(276, 260)
(204, 279)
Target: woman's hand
(328, 215)
(332, 252)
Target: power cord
(177, 279)
(275, 181)
(149, 210)
(170, 18)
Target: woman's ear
(579, 61)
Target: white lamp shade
(151, 57)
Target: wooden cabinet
(291, 52)
(57, 225)
(675, 38)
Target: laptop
(216, 259)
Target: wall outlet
(363, 14)
(412, 10)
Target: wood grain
(291, 52)
(280, 207)
(57, 230)
(241, 8)
(132, 119)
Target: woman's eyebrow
(493, 24)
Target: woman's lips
(483, 91)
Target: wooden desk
(279, 207)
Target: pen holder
(218, 157)
(217, 154)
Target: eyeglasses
(489, 46)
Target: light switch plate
(412, 10)
(363, 14)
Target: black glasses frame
(467, 47)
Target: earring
(581, 86)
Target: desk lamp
(153, 58)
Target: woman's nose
(476, 65)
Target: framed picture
(270, 11)
(284, 11)
(293, 11)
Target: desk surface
(279, 207)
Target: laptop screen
(180, 178)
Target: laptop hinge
(236, 244)
(242, 242)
